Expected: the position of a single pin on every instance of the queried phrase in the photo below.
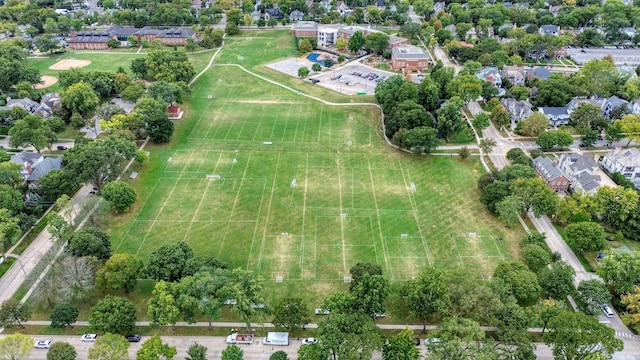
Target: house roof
(175, 32)
(555, 110)
(45, 167)
(579, 162)
(117, 30)
(89, 37)
(589, 182)
(625, 157)
(409, 52)
(549, 29)
(615, 101)
(540, 72)
(25, 157)
(395, 39)
(576, 101)
(546, 169)
(305, 25)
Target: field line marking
(164, 203)
(319, 126)
(215, 118)
(496, 245)
(353, 189)
(342, 219)
(204, 194)
(231, 126)
(266, 221)
(375, 201)
(375, 248)
(455, 243)
(304, 214)
(200, 119)
(137, 218)
(414, 206)
(233, 207)
(259, 124)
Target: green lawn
(326, 193)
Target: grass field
(274, 182)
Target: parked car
(606, 309)
(43, 344)
(133, 337)
(61, 147)
(315, 81)
(322, 312)
(309, 341)
(89, 337)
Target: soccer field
(300, 191)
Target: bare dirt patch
(47, 81)
(66, 64)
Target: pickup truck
(236, 338)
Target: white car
(89, 337)
(309, 341)
(43, 344)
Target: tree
(158, 125)
(63, 315)
(589, 137)
(519, 281)
(120, 272)
(481, 121)
(170, 93)
(109, 347)
(468, 87)
(575, 335)
(586, 236)
(557, 280)
(61, 351)
(427, 294)
(585, 116)
(316, 67)
(630, 126)
(356, 41)
(16, 347)
(500, 116)
(555, 91)
(80, 98)
(113, 314)
(557, 138)
(535, 257)
(47, 43)
(139, 67)
(90, 241)
(168, 262)
(133, 92)
(304, 46)
(341, 44)
(520, 92)
(196, 352)
(471, 299)
(459, 339)
(535, 195)
(593, 292)
(98, 161)
(632, 303)
(369, 294)
(290, 314)
(620, 270)
(162, 307)
(534, 125)
(312, 352)
(11, 199)
(510, 208)
(401, 347)
(597, 77)
(615, 204)
(120, 194)
(232, 352)
(58, 226)
(154, 349)
(548, 309)
(113, 43)
(13, 312)
(55, 184)
(279, 355)
(303, 72)
(31, 130)
(464, 153)
(170, 66)
(352, 335)
(377, 42)
(487, 145)
(450, 118)
(10, 230)
(613, 133)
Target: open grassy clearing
(352, 201)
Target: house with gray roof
(490, 74)
(580, 169)
(89, 41)
(409, 57)
(613, 103)
(552, 30)
(578, 100)
(296, 15)
(48, 104)
(551, 174)
(518, 110)
(625, 162)
(33, 166)
(515, 74)
(557, 115)
(539, 72)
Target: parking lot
(352, 79)
(629, 56)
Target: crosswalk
(625, 335)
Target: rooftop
(409, 52)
